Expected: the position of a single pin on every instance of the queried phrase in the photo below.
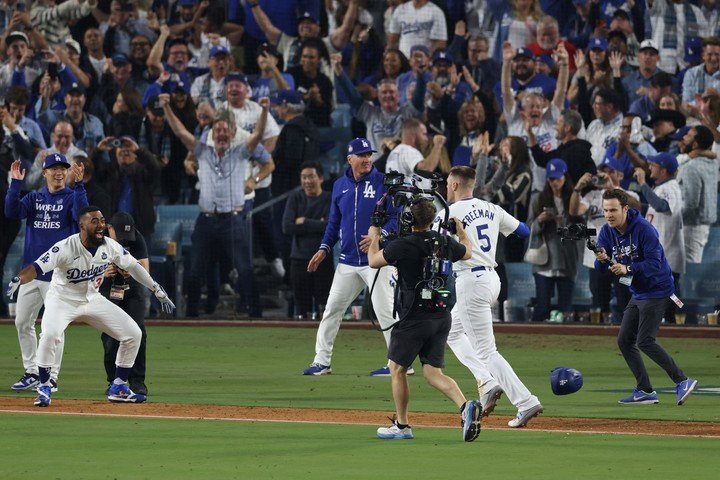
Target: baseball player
(78, 264)
(353, 199)
(52, 214)
(477, 286)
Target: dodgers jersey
(77, 273)
(483, 221)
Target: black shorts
(423, 334)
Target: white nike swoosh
(345, 190)
(638, 398)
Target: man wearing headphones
(424, 320)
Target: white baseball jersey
(483, 222)
(404, 159)
(669, 225)
(78, 274)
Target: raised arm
(563, 76)
(506, 77)
(187, 138)
(271, 31)
(433, 159)
(343, 82)
(340, 36)
(256, 136)
(154, 60)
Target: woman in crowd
(471, 122)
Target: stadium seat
(521, 287)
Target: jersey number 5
(484, 239)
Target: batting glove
(165, 303)
(12, 287)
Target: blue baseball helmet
(565, 380)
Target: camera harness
(430, 293)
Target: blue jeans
(544, 289)
(227, 235)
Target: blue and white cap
(666, 160)
(598, 44)
(358, 146)
(556, 168)
(612, 163)
(55, 159)
(524, 52)
(218, 50)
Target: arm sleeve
(14, 207)
(289, 227)
(522, 230)
(344, 84)
(418, 98)
(23, 147)
(652, 254)
(333, 225)
(603, 242)
(52, 258)
(659, 204)
(18, 78)
(80, 199)
(139, 273)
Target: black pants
(640, 324)
(601, 288)
(307, 285)
(134, 305)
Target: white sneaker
(277, 268)
(394, 432)
(489, 399)
(525, 416)
(226, 289)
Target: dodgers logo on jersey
(55, 249)
(369, 191)
(103, 256)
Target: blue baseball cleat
(122, 394)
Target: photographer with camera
(424, 321)
(629, 247)
(589, 206)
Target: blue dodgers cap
(693, 50)
(665, 160)
(55, 159)
(679, 133)
(524, 52)
(598, 44)
(235, 77)
(565, 380)
(358, 146)
(281, 97)
(612, 163)
(307, 16)
(419, 48)
(172, 87)
(442, 56)
(76, 88)
(218, 50)
(120, 59)
(555, 168)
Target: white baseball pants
(347, 284)
(98, 312)
(475, 292)
(30, 299)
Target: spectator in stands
(672, 24)
(96, 194)
(418, 22)
(603, 71)
(548, 211)
(222, 224)
(663, 124)
(16, 100)
(118, 77)
(671, 101)
(271, 79)
(606, 126)
(211, 86)
(127, 114)
(661, 84)
(447, 94)
(392, 67)
(574, 151)
(52, 20)
(384, 120)
(630, 150)
(419, 62)
(524, 78)
(48, 91)
(130, 177)
(186, 17)
(178, 56)
(693, 57)
(471, 121)
(664, 212)
(632, 29)
(483, 69)
(121, 26)
(88, 129)
(580, 27)
(698, 179)
(548, 39)
(308, 27)
(533, 115)
(706, 75)
(590, 207)
(315, 87)
(305, 218)
(638, 83)
(62, 142)
(69, 55)
(517, 20)
(20, 56)
(407, 158)
(140, 47)
(93, 60)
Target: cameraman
(590, 206)
(420, 331)
(639, 259)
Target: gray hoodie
(698, 181)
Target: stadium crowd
(552, 101)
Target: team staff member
(353, 199)
(419, 331)
(640, 259)
(477, 286)
(52, 214)
(78, 264)
(124, 291)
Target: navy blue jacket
(639, 247)
(351, 207)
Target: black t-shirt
(137, 249)
(408, 255)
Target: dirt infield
(360, 417)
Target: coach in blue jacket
(353, 200)
(639, 259)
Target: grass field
(261, 367)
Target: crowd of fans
(552, 101)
